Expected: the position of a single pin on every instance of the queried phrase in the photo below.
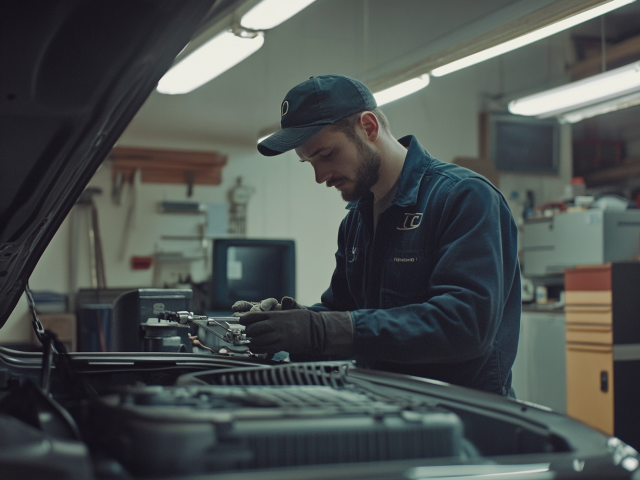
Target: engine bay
(175, 415)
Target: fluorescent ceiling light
(528, 38)
(599, 88)
(401, 90)
(213, 58)
(271, 13)
(619, 103)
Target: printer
(589, 237)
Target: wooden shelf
(169, 166)
(627, 49)
(630, 168)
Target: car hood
(74, 73)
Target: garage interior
(186, 173)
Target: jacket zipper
(354, 249)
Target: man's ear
(371, 125)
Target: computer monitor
(252, 269)
(524, 144)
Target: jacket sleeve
(474, 272)
(337, 296)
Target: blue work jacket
(436, 291)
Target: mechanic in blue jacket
(427, 280)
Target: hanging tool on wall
(98, 276)
(134, 185)
(239, 196)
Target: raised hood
(73, 74)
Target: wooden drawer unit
(603, 347)
(590, 386)
(605, 295)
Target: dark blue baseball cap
(312, 106)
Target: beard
(367, 172)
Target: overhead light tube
(609, 106)
(528, 38)
(401, 90)
(213, 58)
(271, 13)
(599, 88)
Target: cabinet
(603, 348)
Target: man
(427, 280)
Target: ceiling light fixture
(583, 93)
(213, 58)
(528, 38)
(614, 105)
(271, 13)
(401, 90)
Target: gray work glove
(300, 331)
(267, 305)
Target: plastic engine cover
(179, 430)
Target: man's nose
(322, 173)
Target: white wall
(287, 204)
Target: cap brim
(288, 139)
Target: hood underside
(74, 73)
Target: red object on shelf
(141, 263)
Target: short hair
(347, 125)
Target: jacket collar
(415, 164)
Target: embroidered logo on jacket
(410, 221)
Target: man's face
(350, 165)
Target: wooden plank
(630, 168)
(199, 178)
(592, 334)
(169, 166)
(595, 315)
(629, 48)
(152, 154)
(576, 297)
(162, 165)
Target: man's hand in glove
(268, 305)
(300, 331)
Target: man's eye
(327, 156)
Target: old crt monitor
(252, 269)
(524, 144)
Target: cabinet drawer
(597, 334)
(587, 297)
(590, 386)
(596, 314)
(593, 277)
